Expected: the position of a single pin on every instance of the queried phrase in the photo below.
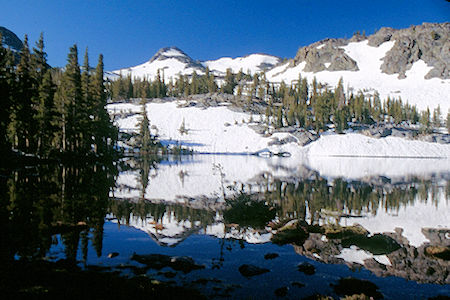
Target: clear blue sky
(130, 32)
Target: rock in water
(184, 264)
(271, 255)
(351, 286)
(306, 268)
(251, 270)
(281, 292)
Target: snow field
(222, 130)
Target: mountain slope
(170, 62)
(406, 63)
(252, 64)
(10, 40)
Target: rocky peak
(429, 42)
(10, 40)
(178, 54)
(325, 55)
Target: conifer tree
(105, 134)
(68, 98)
(22, 127)
(194, 88)
(46, 115)
(145, 140)
(7, 81)
(85, 106)
(39, 60)
(230, 82)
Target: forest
(49, 113)
(311, 105)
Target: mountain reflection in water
(224, 211)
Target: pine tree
(425, 120)
(210, 82)
(437, 116)
(39, 60)
(194, 88)
(46, 115)
(22, 127)
(85, 107)
(7, 81)
(145, 139)
(105, 134)
(68, 98)
(230, 82)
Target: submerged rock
(297, 284)
(306, 268)
(282, 291)
(184, 263)
(159, 261)
(251, 270)
(352, 286)
(271, 255)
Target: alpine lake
(228, 226)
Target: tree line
(46, 112)
(311, 105)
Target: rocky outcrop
(428, 42)
(325, 55)
(426, 264)
(381, 130)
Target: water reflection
(39, 202)
(393, 226)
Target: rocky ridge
(429, 42)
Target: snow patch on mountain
(252, 64)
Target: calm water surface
(226, 211)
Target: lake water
(382, 220)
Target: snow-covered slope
(414, 89)
(170, 62)
(251, 64)
(358, 145)
(223, 130)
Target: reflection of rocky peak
(325, 55)
(407, 262)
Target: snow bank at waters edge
(358, 145)
(222, 130)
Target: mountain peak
(169, 52)
(10, 39)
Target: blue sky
(130, 32)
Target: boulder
(251, 270)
